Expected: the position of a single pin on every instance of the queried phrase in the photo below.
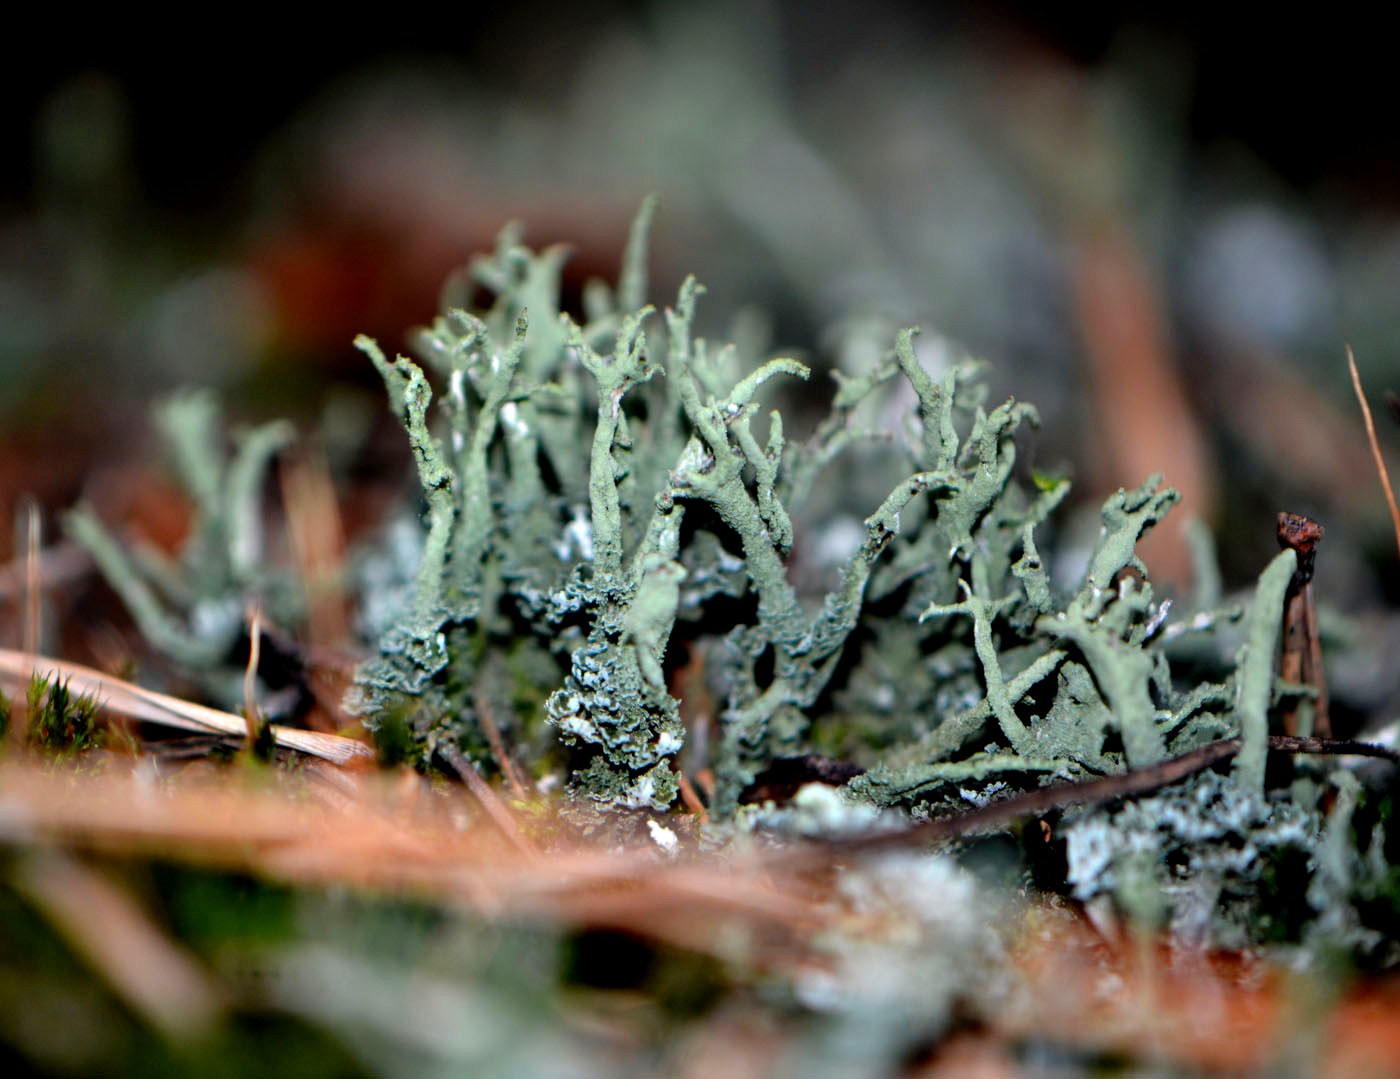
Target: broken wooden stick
(1300, 663)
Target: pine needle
(137, 702)
(375, 840)
(1384, 473)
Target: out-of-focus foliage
(193, 610)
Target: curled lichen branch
(410, 396)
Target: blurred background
(1159, 226)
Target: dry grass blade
(59, 564)
(251, 713)
(1376, 454)
(137, 702)
(33, 579)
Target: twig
(691, 798)
(492, 730)
(33, 579)
(1386, 486)
(1130, 784)
(250, 677)
(1300, 663)
(490, 801)
(385, 841)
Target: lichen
(593, 568)
(602, 500)
(531, 563)
(598, 496)
(1220, 864)
(1256, 670)
(606, 515)
(193, 608)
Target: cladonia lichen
(606, 516)
(603, 500)
(555, 502)
(193, 608)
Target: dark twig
(1301, 661)
(1130, 784)
(491, 803)
(504, 761)
(690, 797)
(251, 712)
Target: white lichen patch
(576, 542)
(663, 837)
(918, 940)
(576, 725)
(669, 743)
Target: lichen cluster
(607, 523)
(557, 527)
(1216, 864)
(602, 502)
(600, 506)
(193, 608)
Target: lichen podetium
(192, 608)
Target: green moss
(59, 723)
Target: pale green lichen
(1220, 864)
(600, 489)
(564, 569)
(1107, 677)
(193, 609)
(597, 570)
(602, 498)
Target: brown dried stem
(1300, 662)
(486, 796)
(1138, 781)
